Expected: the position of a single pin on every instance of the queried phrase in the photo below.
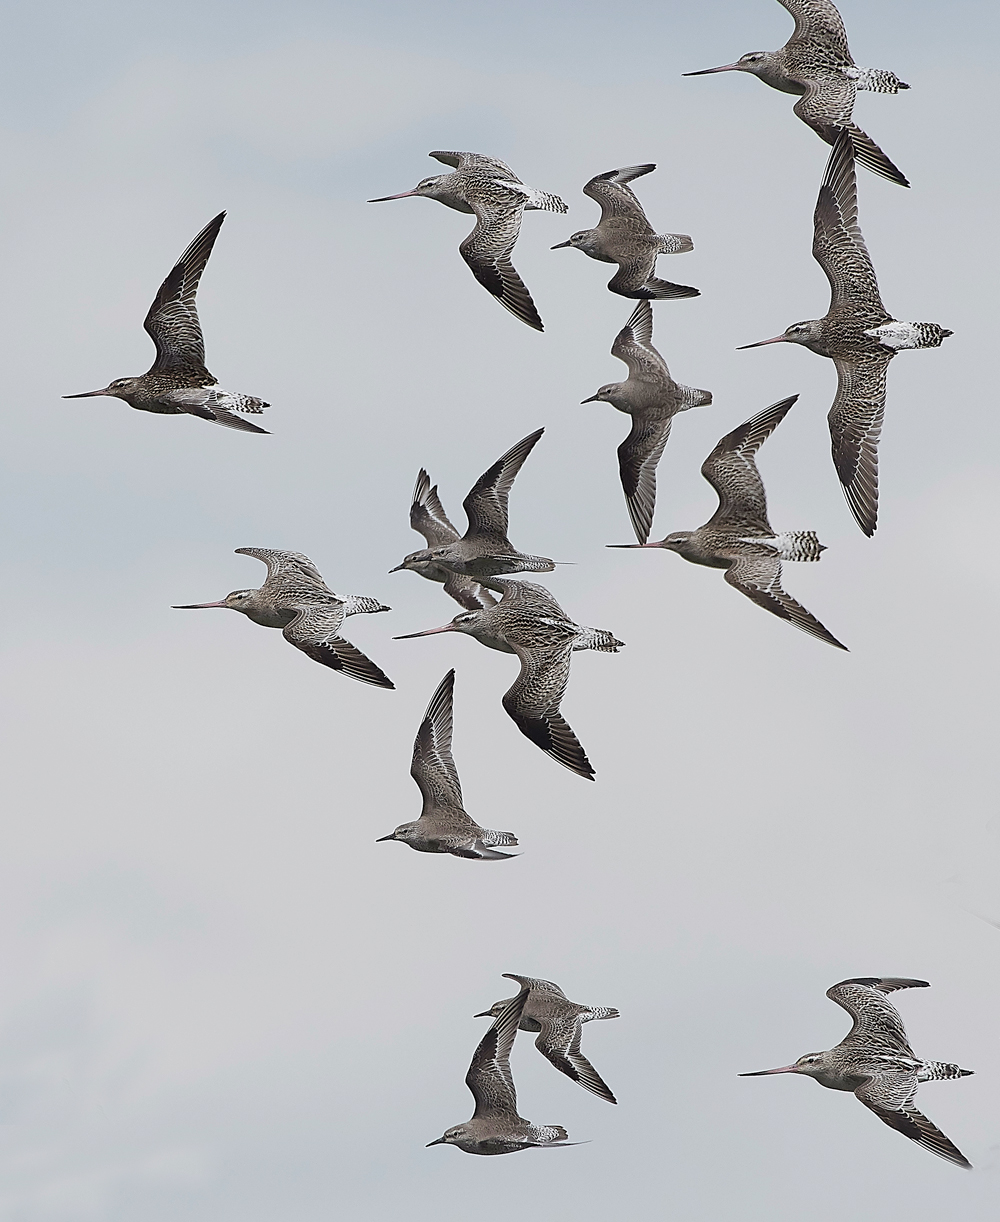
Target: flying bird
(484, 550)
(856, 333)
(625, 237)
(295, 598)
(496, 1127)
(816, 64)
(652, 398)
(738, 537)
(428, 518)
(558, 1022)
(177, 382)
(494, 193)
(543, 637)
(444, 826)
(875, 1061)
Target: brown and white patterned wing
(819, 24)
(533, 704)
(612, 192)
(838, 246)
(487, 251)
(530, 596)
(474, 161)
(638, 456)
(732, 471)
(433, 766)
(634, 345)
(468, 593)
(559, 1042)
(826, 106)
(486, 504)
(877, 1023)
(314, 630)
(172, 320)
(489, 1077)
(759, 578)
(283, 567)
(890, 1096)
(427, 515)
(535, 984)
(855, 421)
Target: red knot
(652, 398)
(625, 237)
(444, 826)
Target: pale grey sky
(222, 1001)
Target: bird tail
(799, 545)
(876, 80)
(249, 405)
(604, 1012)
(674, 243)
(361, 604)
(544, 201)
(597, 638)
(491, 839)
(691, 397)
(938, 1071)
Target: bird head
(584, 240)
(405, 832)
(798, 333)
(237, 600)
(467, 621)
(756, 62)
(606, 394)
(431, 187)
(120, 388)
(452, 1136)
(812, 1064)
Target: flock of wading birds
(875, 1060)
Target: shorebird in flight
(536, 628)
(428, 518)
(444, 826)
(625, 237)
(177, 382)
(559, 1023)
(494, 193)
(496, 1127)
(652, 398)
(296, 599)
(816, 64)
(738, 537)
(484, 550)
(856, 333)
(876, 1062)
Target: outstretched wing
(489, 1077)
(427, 515)
(638, 456)
(172, 321)
(732, 471)
(487, 251)
(533, 704)
(838, 246)
(433, 767)
(468, 593)
(759, 578)
(283, 566)
(877, 1023)
(890, 1096)
(477, 161)
(818, 23)
(559, 1041)
(486, 504)
(855, 421)
(612, 192)
(634, 345)
(314, 629)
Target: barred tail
(597, 638)
(799, 545)
(938, 1071)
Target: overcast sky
(224, 1002)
